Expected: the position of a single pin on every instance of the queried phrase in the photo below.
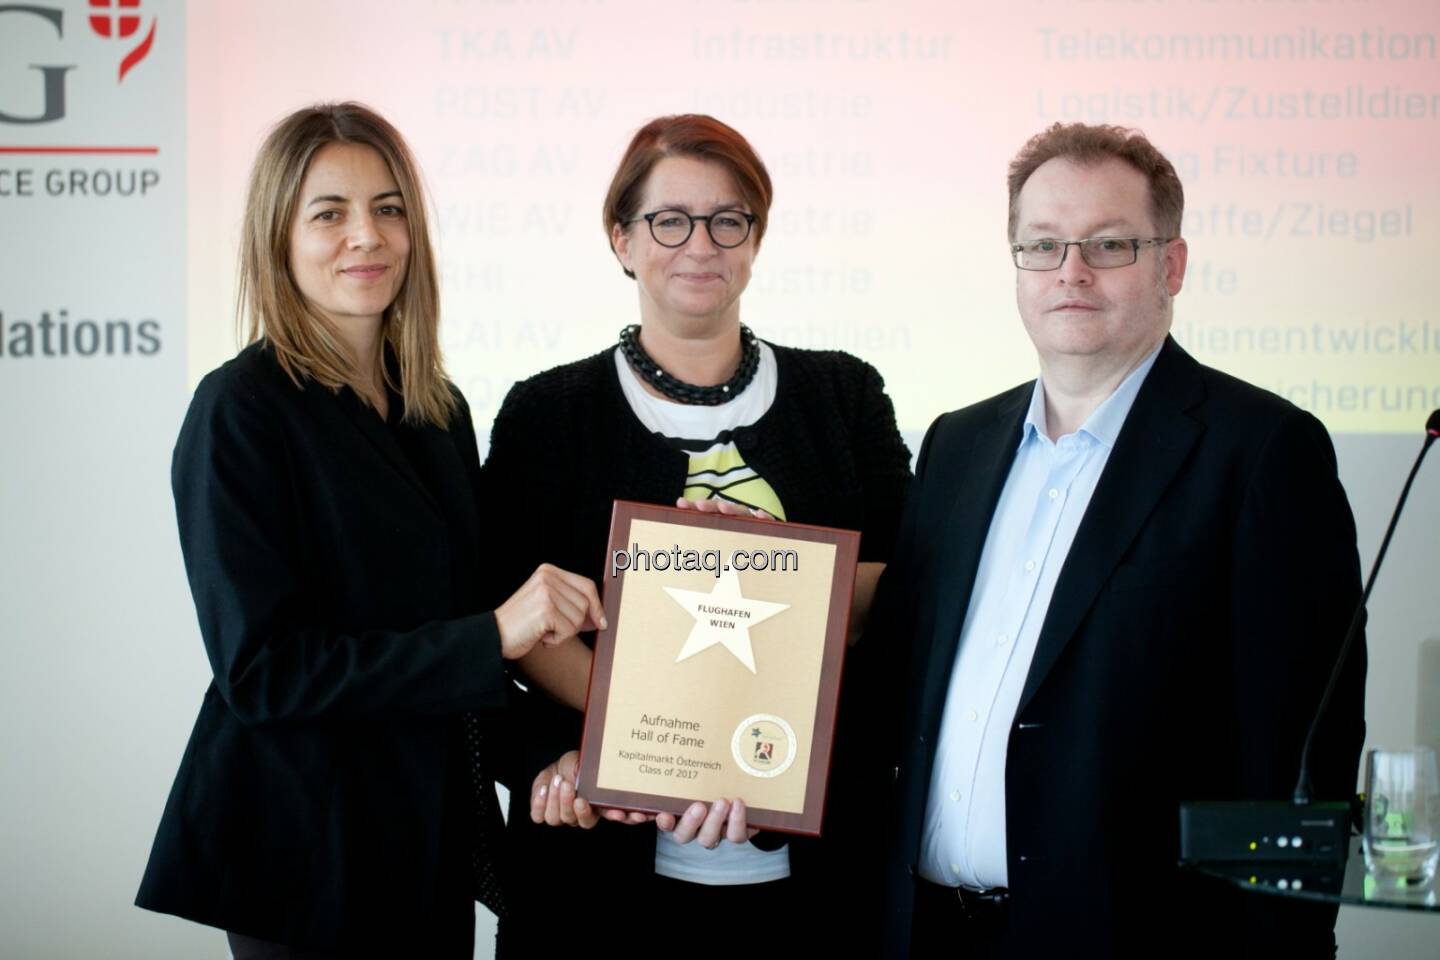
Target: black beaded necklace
(679, 390)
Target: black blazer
(334, 561)
(1185, 648)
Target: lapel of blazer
(1153, 444)
(981, 479)
(381, 437)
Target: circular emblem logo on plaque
(763, 745)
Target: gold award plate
(719, 674)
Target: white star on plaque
(723, 616)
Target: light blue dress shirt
(1040, 508)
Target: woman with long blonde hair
(336, 797)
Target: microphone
(1302, 784)
(1240, 831)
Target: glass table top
(1348, 883)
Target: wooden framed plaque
(719, 674)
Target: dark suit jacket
(334, 561)
(1182, 656)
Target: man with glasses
(1116, 588)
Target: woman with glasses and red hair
(691, 406)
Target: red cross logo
(121, 19)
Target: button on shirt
(1044, 499)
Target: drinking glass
(1402, 815)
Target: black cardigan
(334, 560)
(566, 444)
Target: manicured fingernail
(544, 789)
(696, 811)
(555, 781)
(719, 806)
(604, 624)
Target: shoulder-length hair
(269, 303)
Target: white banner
(98, 655)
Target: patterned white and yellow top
(717, 470)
